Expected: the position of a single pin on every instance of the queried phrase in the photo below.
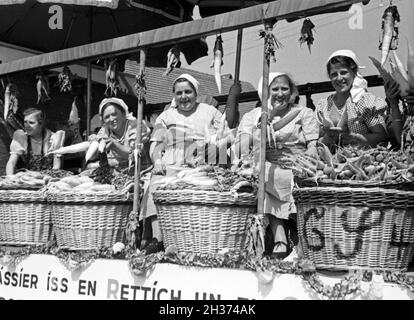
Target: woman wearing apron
(297, 135)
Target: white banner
(43, 277)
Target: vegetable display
(25, 179)
(81, 184)
(354, 163)
(207, 177)
(117, 182)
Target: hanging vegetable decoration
(218, 61)
(173, 60)
(271, 44)
(11, 103)
(306, 34)
(389, 32)
(65, 80)
(73, 122)
(140, 85)
(42, 88)
(111, 78)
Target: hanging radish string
(73, 122)
(173, 60)
(111, 78)
(218, 61)
(306, 34)
(42, 88)
(389, 32)
(11, 102)
(65, 80)
(271, 44)
(140, 85)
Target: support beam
(263, 134)
(88, 98)
(138, 145)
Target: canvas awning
(282, 9)
(42, 26)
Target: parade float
(68, 236)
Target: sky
(332, 32)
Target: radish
(218, 61)
(389, 34)
(93, 148)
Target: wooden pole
(232, 113)
(238, 55)
(232, 106)
(265, 94)
(238, 49)
(138, 144)
(88, 98)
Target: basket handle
(236, 188)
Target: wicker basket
(351, 228)
(204, 221)
(24, 218)
(88, 221)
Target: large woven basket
(89, 221)
(204, 221)
(24, 218)
(351, 228)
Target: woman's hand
(312, 150)
(110, 143)
(330, 137)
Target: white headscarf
(118, 102)
(360, 85)
(272, 76)
(190, 79)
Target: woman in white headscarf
(179, 137)
(351, 115)
(118, 133)
(292, 129)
